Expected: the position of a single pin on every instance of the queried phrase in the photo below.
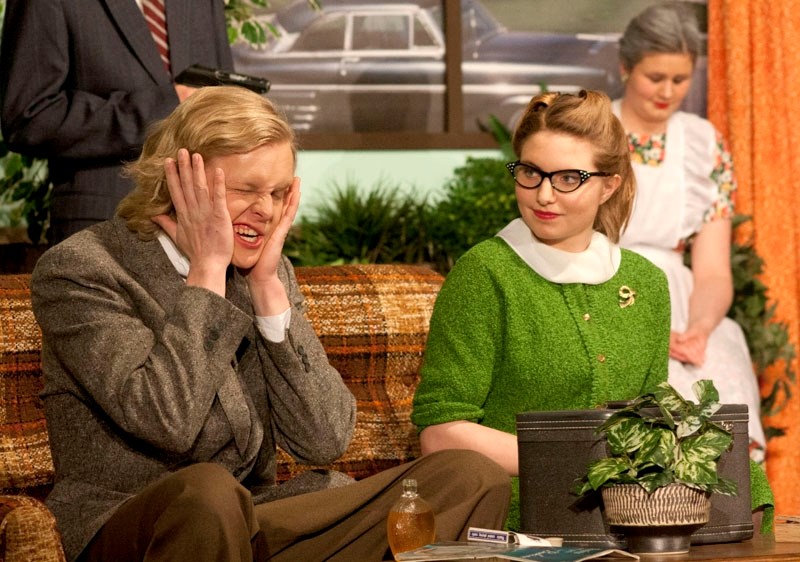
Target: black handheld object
(197, 75)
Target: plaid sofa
(372, 320)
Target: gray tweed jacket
(145, 375)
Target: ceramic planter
(661, 522)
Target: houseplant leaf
(655, 480)
(658, 448)
(669, 400)
(723, 486)
(698, 470)
(605, 470)
(706, 393)
(709, 445)
(688, 425)
(626, 436)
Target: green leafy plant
(475, 204)
(381, 225)
(243, 25)
(767, 337)
(661, 439)
(24, 193)
(501, 134)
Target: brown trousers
(201, 513)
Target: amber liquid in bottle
(411, 523)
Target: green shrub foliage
(381, 225)
(24, 193)
(478, 201)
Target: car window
(384, 31)
(325, 34)
(476, 22)
(423, 35)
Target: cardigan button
(601, 358)
(587, 316)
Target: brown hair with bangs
(587, 116)
(214, 121)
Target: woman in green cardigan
(550, 314)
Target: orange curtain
(754, 99)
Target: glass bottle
(411, 523)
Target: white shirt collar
(271, 327)
(595, 265)
(176, 257)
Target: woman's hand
(689, 346)
(268, 293)
(202, 230)
(712, 293)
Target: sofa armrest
(26, 462)
(28, 531)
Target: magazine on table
(477, 551)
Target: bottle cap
(409, 485)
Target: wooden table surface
(759, 548)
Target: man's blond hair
(214, 121)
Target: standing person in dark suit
(165, 447)
(80, 81)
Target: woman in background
(550, 314)
(685, 185)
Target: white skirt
(727, 361)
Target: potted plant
(661, 467)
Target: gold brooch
(627, 296)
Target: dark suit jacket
(80, 80)
(145, 375)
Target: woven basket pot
(661, 522)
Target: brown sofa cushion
(25, 460)
(373, 322)
(371, 319)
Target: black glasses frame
(584, 175)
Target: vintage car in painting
(361, 66)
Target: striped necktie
(155, 15)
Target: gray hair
(660, 28)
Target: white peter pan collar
(595, 265)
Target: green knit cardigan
(504, 340)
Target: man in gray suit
(80, 80)
(176, 357)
